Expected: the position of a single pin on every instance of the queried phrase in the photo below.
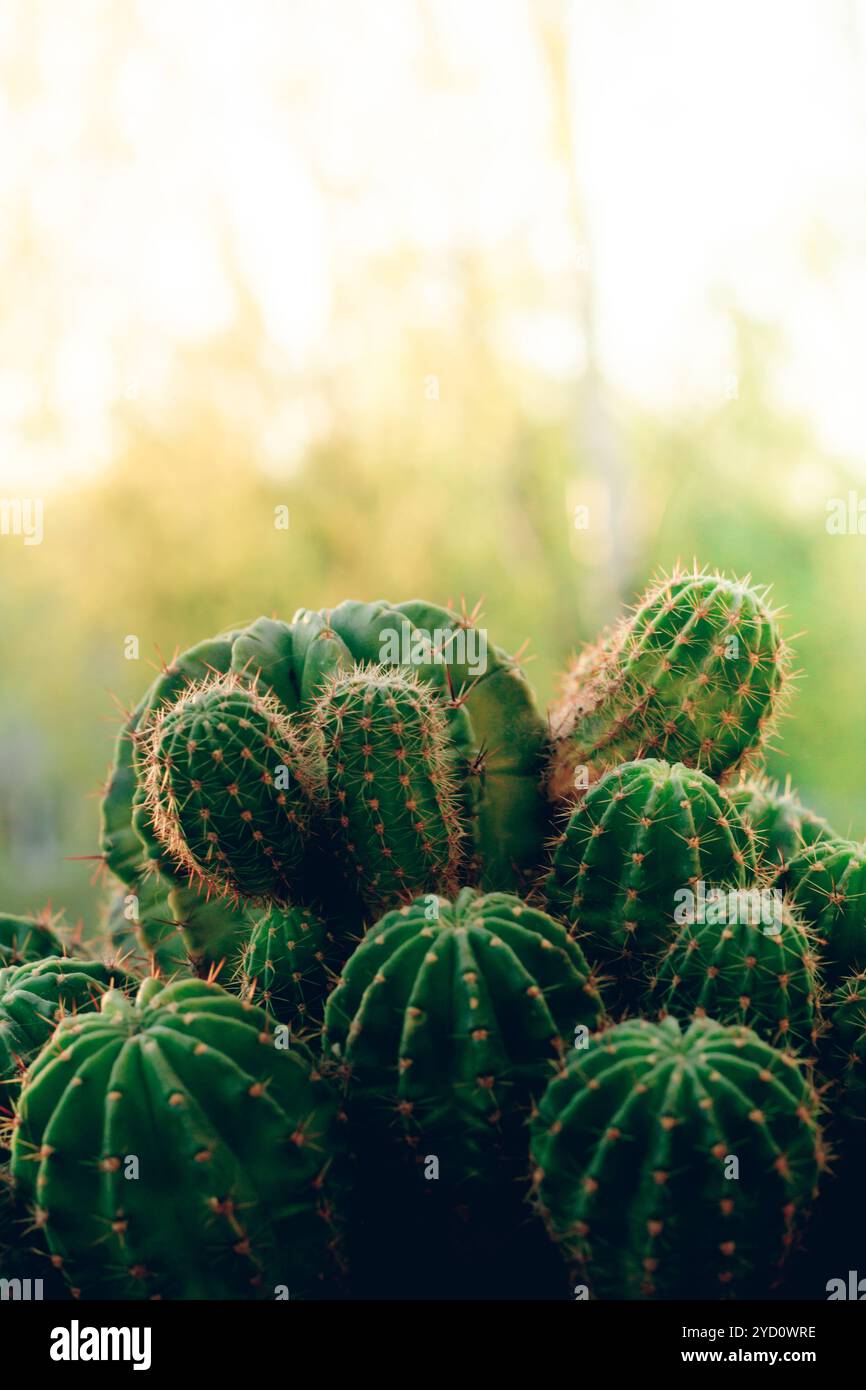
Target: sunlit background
(433, 274)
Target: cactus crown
(231, 788)
(449, 1014)
(750, 967)
(643, 835)
(229, 1133)
(394, 793)
(634, 1146)
(694, 675)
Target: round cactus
(24, 939)
(449, 1016)
(642, 839)
(168, 1148)
(34, 998)
(677, 1163)
(782, 824)
(752, 966)
(231, 789)
(694, 676)
(287, 965)
(827, 881)
(394, 794)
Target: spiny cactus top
(33, 1000)
(641, 840)
(449, 1015)
(782, 824)
(827, 881)
(749, 960)
(171, 1148)
(231, 787)
(671, 1160)
(392, 784)
(493, 724)
(29, 938)
(694, 676)
(287, 965)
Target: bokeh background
(434, 275)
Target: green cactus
(448, 1017)
(394, 795)
(24, 939)
(287, 966)
(168, 1148)
(643, 836)
(496, 732)
(636, 1145)
(33, 1000)
(827, 881)
(782, 824)
(695, 675)
(231, 788)
(844, 1056)
(752, 966)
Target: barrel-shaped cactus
(827, 881)
(231, 787)
(34, 998)
(634, 854)
(752, 961)
(694, 675)
(449, 1017)
(782, 824)
(171, 1147)
(677, 1162)
(391, 780)
(288, 964)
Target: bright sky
(156, 156)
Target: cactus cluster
(397, 989)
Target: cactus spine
(633, 1146)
